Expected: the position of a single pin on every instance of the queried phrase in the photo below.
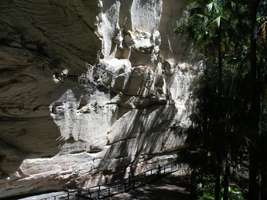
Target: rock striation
(89, 88)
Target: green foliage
(234, 194)
(206, 192)
(225, 95)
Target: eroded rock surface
(89, 88)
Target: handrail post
(78, 194)
(109, 192)
(129, 179)
(124, 186)
(159, 170)
(98, 194)
(133, 180)
(89, 192)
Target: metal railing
(120, 186)
(132, 182)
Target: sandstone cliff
(88, 88)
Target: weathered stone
(129, 106)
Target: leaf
(233, 4)
(200, 15)
(210, 6)
(217, 21)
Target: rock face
(88, 88)
(40, 39)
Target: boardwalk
(106, 191)
(118, 187)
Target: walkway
(119, 187)
(125, 185)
